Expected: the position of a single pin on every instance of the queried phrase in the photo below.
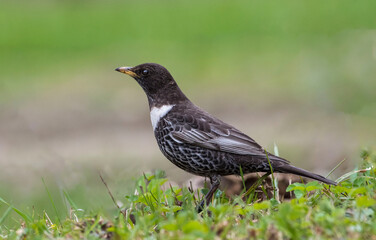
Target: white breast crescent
(157, 113)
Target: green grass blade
(337, 166)
(52, 201)
(26, 217)
(276, 151)
(256, 184)
(70, 201)
(88, 231)
(242, 176)
(3, 201)
(271, 171)
(6, 213)
(347, 175)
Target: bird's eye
(145, 72)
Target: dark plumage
(197, 142)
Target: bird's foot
(215, 182)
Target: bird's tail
(286, 168)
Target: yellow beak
(126, 70)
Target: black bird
(197, 142)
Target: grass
(156, 210)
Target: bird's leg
(215, 181)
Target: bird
(198, 142)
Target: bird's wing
(200, 129)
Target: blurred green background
(300, 74)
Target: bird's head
(156, 81)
